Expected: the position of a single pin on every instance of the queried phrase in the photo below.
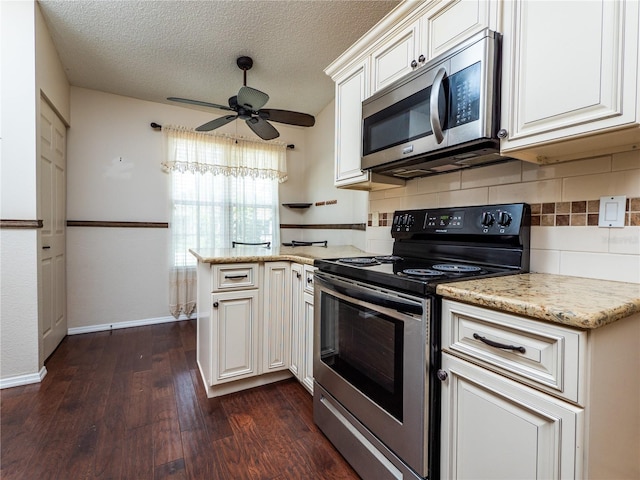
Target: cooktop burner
(359, 261)
(388, 258)
(421, 272)
(456, 268)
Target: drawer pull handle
(235, 277)
(491, 343)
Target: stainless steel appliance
(377, 331)
(442, 117)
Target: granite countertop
(305, 255)
(579, 302)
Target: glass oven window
(365, 347)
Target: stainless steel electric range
(377, 332)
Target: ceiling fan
(247, 105)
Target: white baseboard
(127, 324)
(20, 380)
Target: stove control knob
(504, 219)
(487, 219)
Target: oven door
(371, 353)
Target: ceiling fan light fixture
(248, 106)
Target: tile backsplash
(578, 213)
(565, 202)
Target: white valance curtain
(200, 152)
(223, 189)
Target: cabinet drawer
(235, 276)
(540, 354)
(308, 278)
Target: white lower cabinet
(493, 427)
(297, 289)
(276, 317)
(302, 324)
(528, 399)
(255, 324)
(307, 347)
(243, 325)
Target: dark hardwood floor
(130, 404)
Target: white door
(52, 205)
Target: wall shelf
(296, 205)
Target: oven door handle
(379, 298)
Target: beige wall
(317, 177)
(585, 251)
(30, 67)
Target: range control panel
(506, 219)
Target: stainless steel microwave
(442, 117)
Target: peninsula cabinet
(523, 398)
(570, 79)
(243, 324)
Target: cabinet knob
(298, 274)
(215, 304)
(310, 280)
(502, 133)
(414, 64)
(421, 58)
(442, 375)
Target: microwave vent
(413, 173)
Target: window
(223, 190)
(210, 211)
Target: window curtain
(223, 189)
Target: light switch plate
(612, 211)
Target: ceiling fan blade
(287, 116)
(198, 102)
(217, 123)
(252, 99)
(262, 128)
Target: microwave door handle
(434, 118)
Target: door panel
(52, 210)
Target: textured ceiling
(155, 49)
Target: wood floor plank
(198, 458)
(213, 415)
(130, 404)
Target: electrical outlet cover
(612, 211)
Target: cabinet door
(276, 317)
(569, 68)
(307, 375)
(450, 22)
(296, 319)
(235, 335)
(393, 58)
(351, 89)
(495, 428)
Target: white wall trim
(127, 324)
(20, 380)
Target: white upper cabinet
(449, 22)
(351, 89)
(394, 58)
(404, 40)
(570, 70)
